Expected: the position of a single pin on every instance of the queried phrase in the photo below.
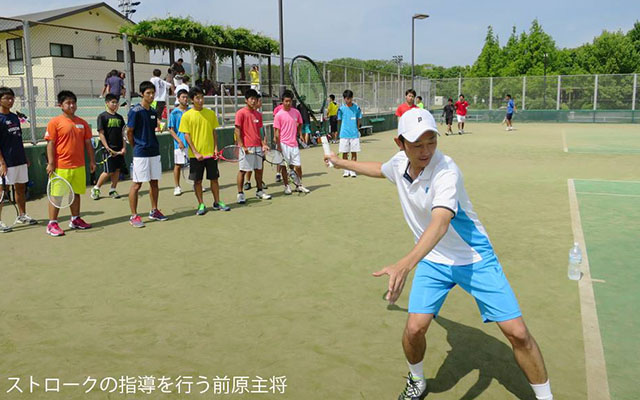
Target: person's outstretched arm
(368, 168)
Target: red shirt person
(461, 112)
(410, 96)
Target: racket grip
(326, 148)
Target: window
(120, 56)
(15, 56)
(61, 50)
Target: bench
(366, 130)
(378, 119)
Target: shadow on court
(472, 349)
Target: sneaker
(53, 229)
(157, 215)
(220, 206)
(177, 191)
(345, 174)
(95, 193)
(263, 196)
(415, 390)
(278, 177)
(264, 186)
(26, 219)
(79, 223)
(462, 132)
(287, 189)
(202, 209)
(136, 221)
(113, 194)
(4, 228)
(353, 174)
(302, 189)
(247, 186)
(241, 198)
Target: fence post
(235, 80)
(345, 77)
(127, 69)
(459, 85)
(491, 93)
(524, 91)
(222, 90)
(193, 63)
(363, 83)
(595, 93)
(558, 94)
(635, 89)
(377, 89)
(31, 101)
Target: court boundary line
(605, 180)
(564, 142)
(611, 194)
(596, 368)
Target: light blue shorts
(306, 128)
(484, 280)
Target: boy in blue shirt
(511, 108)
(179, 142)
(349, 117)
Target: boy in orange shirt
(67, 138)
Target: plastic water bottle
(575, 259)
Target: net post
(558, 94)
(31, 101)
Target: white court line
(596, 368)
(604, 180)
(611, 194)
(564, 142)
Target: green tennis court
(283, 288)
(602, 139)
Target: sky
(379, 29)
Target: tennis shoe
(156, 215)
(416, 388)
(202, 210)
(241, 198)
(4, 228)
(113, 194)
(220, 206)
(302, 189)
(26, 219)
(263, 196)
(136, 221)
(177, 191)
(345, 174)
(53, 229)
(79, 223)
(247, 186)
(95, 193)
(287, 189)
(278, 177)
(353, 174)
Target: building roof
(52, 15)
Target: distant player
(147, 167)
(110, 127)
(254, 75)
(350, 117)
(247, 132)
(409, 102)
(447, 113)
(451, 248)
(306, 125)
(179, 142)
(199, 126)
(332, 114)
(68, 136)
(162, 93)
(419, 102)
(511, 108)
(13, 159)
(287, 125)
(461, 113)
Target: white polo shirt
(440, 185)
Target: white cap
(415, 122)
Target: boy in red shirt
(461, 113)
(409, 96)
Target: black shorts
(509, 116)
(196, 169)
(449, 120)
(114, 163)
(333, 122)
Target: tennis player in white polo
(452, 248)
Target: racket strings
(60, 193)
(274, 157)
(232, 153)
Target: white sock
(96, 187)
(542, 391)
(74, 218)
(416, 369)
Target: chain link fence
(38, 60)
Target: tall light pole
(398, 60)
(281, 49)
(413, 29)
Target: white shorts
(253, 161)
(461, 118)
(180, 156)
(349, 145)
(291, 154)
(146, 169)
(17, 174)
(256, 87)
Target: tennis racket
(59, 190)
(8, 209)
(185, 168)
(308, 85)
